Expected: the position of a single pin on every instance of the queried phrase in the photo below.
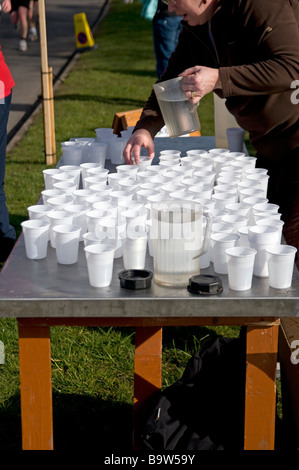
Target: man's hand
(6, 6)
(140, 138)
(198, 81)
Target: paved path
(26, 66)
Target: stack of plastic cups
(71, 153)
(260, 238)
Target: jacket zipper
(205, 46)
(213, 42)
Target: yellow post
(84, 37)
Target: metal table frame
(42, 294)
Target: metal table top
(44, 288)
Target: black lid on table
(204, 284)
(135, 278)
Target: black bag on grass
(204, 410)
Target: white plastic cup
(100, 260)
(66, 243)
(66, 176)
(243, 236)
(187, 170)
(266, 207)
(271, 222)
(201, 153)
(39, 211)
(240, 263)
(68, 187)
(235, 139)
(58, 218)
(120, 195)
(134, 250)
(169, 164)
(205, 176)
(239, 208)
(220, 242)
(49, 193)
(280, 260)
(97, 153)
(135, 220)
(266, 215)
(111, 230)
(90, 238)
(116, 150)
(71, 153)
(72, 170)
(248, 160)
(201, 164)
(222, 199)
(78, 212)
(59, 202)
(47, 174)
(260, 238)
(86, 166)
(201, 192)
(127, 171)
(261, 179)
(235, 220)
(113, 179)
(94, 216)
(80, 195)
(144, 163)
(100, 180)
(104, 133)
(36, 237)
(127, 184)
(99, 196)
(188, 160)
(170, 153)
(96, 170)
(183, 195)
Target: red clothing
(6, 80)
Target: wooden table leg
(260, 399)
(147, 370)
(36, 387)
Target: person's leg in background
(32, 11)
(7, 231)
(166, 30)
(18, 16)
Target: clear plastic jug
(178, 241)
(179, 114)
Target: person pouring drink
(247, 52)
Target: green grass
(92, 368)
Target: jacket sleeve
(272, 26)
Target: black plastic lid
(135, 278)
(204, 284)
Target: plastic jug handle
(207, 236)
(194, 106)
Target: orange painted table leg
(260, 399)
(36, 387)
(147, 369)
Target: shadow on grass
(80, 423)
(129, 103)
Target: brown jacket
(255, 45)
